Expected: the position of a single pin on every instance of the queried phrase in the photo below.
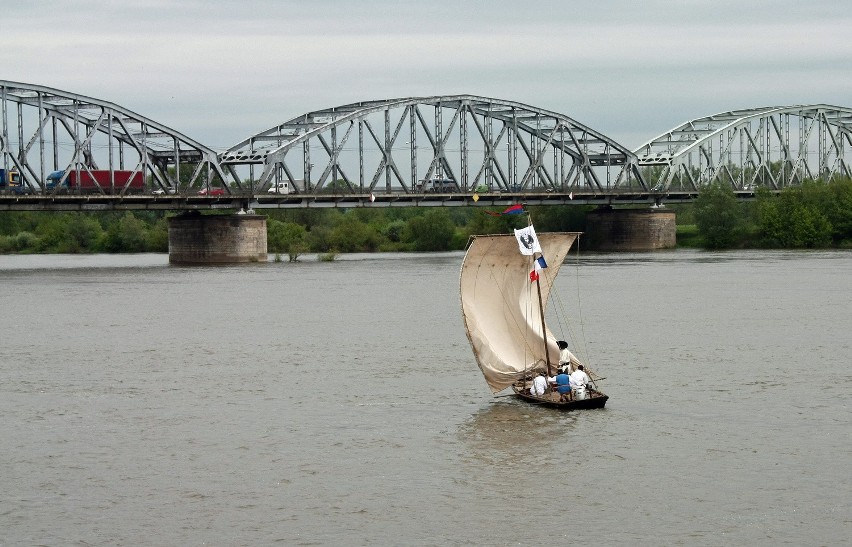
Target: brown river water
(338, 403)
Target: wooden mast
(540, 304)
(541, 312)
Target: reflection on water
(510, 430)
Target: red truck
(97, 181)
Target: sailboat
(505, 284)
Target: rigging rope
(565, 324)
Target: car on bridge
(211, 192)
(439, 185)
(279, 188)
(22, 189)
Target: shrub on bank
(688, 236)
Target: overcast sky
(222, 70)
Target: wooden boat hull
(551, 399)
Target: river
(338, 403)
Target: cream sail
(502, 310)
(500, 305)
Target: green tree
(158, 236)
(286, 237)
(393, 230)
(482, 223)
(319, 239)
(560, 218)
(128, 235)
(719, 217)
(22, 242)
(69, 233)
(351, 235)
(792, 219)
(431, 232)
(838, 210)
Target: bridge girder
(478, 142)
(773, 147)
(46, 129)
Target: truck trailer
(97, 181)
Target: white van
(280, 188)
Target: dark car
(20, 189)
(439, 185)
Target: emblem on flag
(527, 241)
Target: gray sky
(222, 70)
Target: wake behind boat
(505, 283)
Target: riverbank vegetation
(813, 215)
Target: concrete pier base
(217, 239)
(630, 229)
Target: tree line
(810, 216)
(813, 215)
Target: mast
(540, 306)
(543, 330)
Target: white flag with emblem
(527, 241)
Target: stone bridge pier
(628, 230)
(196, 239)
(217, 239)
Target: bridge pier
(611, 229)
(217, 239)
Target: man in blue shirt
(563, 386)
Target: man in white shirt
(539, 385)
(579, 379)
(565, 355)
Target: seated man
(539, 385)
(579, 379)
(563, 385)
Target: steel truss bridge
(454, 150)
(773, 147)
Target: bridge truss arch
(46, 130)
(772, 147)
(392, 147)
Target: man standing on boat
(579, 379)
(565, 355)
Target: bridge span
(64, 151)
(424, 151)
(771, 147)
